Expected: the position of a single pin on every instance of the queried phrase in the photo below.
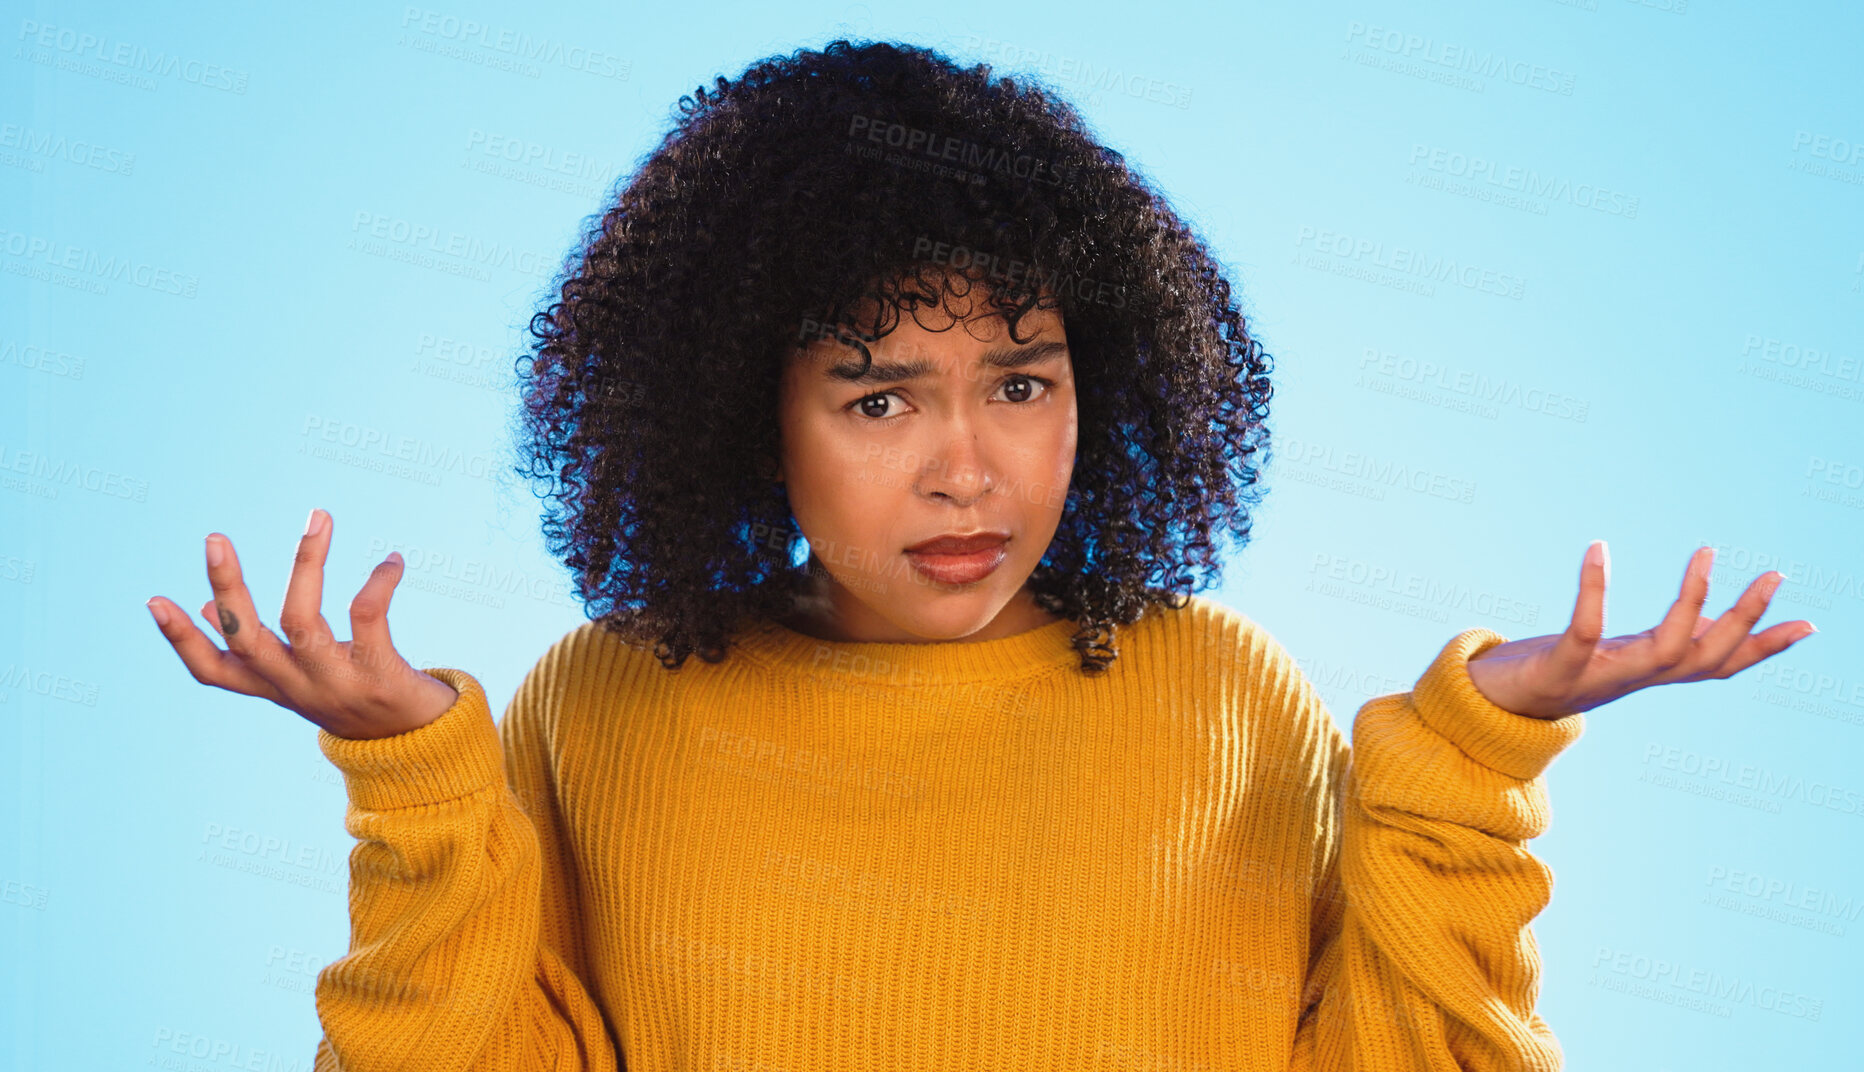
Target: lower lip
(960, 569)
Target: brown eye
(873, 406)
(1025, 383)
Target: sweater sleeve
(465, 947)
(1421, 954)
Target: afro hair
(816, 196)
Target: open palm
(1565, 673)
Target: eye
(860, 405)
(1013, 382)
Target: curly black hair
(791, 204)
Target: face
(957, 429)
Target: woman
(981, 783)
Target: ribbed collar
(879, 663)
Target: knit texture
(886, 856)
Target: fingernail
(312, 523)
(1810, 628)
(1595, 553)
(215, 553)
(156, 611)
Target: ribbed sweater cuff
(455, 754)
(1517, 745)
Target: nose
(957, 470)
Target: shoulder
(1229, 651)
(583, 668)
(1208, 634)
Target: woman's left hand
(1563, 674)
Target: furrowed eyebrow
(999, 357)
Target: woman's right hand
(359, 688)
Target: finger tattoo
(228, 623)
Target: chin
(955, 615)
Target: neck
(825, 611)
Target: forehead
(923, 340)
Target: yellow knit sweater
(879, 856)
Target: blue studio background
(257, 261)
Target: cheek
(1065, 445)
(1057, 470)
(1058, 449)
(862, 467)
(834, 479)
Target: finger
(261, 649)
(1675, 635)
(1726, 634)
(205, 661)
(371, 647)
(1765, 644)
(1569, 658)
(301, 617)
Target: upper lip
(956, 543)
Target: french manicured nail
(216, 554)
(156, 611)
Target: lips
(963, 567)
(952, 544)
